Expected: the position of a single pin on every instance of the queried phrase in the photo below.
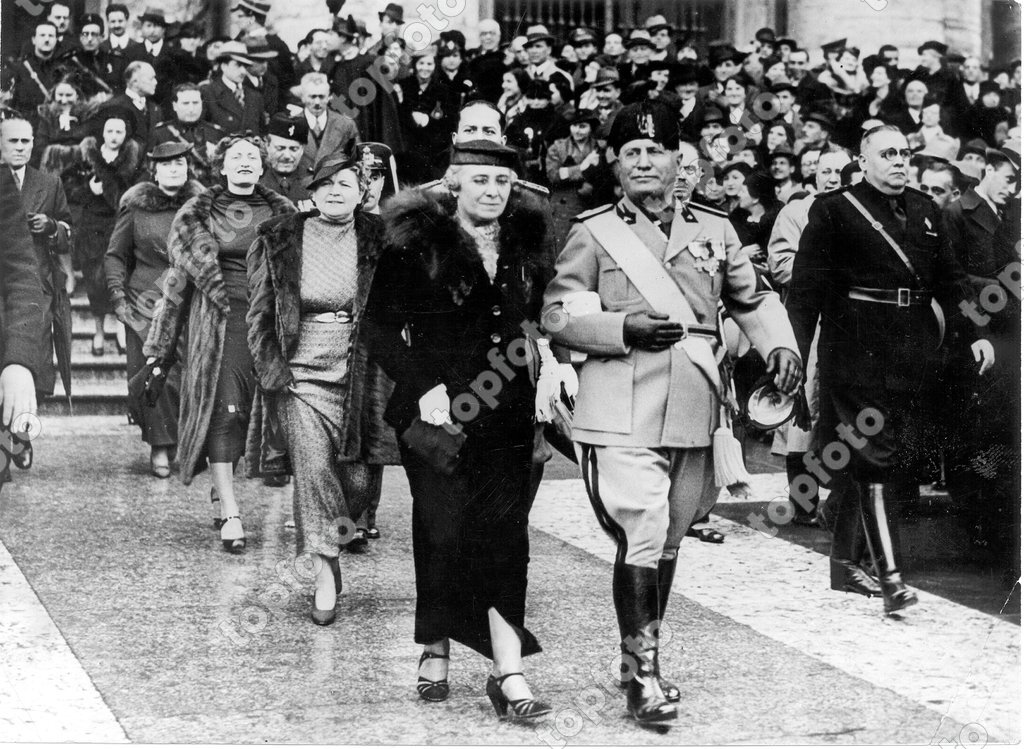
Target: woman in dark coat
(309, 278)
(207, 246)
(429, 117)
(110, 164)
(461, 278)
(136, 268)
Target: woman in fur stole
(208, 243)
(109, 164)
(309, 277)
(136, 267)
(455, 290)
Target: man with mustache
(875, 266)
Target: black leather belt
(899, 297)
(704, 330)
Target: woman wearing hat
(755, 213)
(136, 265)
(309, 278)
(109, 163)
(207, 246)
(461, 276)
(880, 96)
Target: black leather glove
(156, 377)
(650, 330)
(437, 446)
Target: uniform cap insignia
(645, 124)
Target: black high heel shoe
(524, 709)
(432, 691)
(324, 617)
(234, 544)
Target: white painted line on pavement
(962, 663)
(45, 694)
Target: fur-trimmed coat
(192, 250)
(431, 283)
(275, 262)
(116, 177)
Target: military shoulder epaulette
(708, 209)
(593, 212)
(533, 187)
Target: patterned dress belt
(341, 316)
(899, 297)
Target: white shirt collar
(154, 48)
(140, 101)
(118, 42)
(320, 121)
(20, 171)
(232, 86)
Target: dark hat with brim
(395, 12)
(586, 115)
(540, 36)
(712, 114)
(644, 120)
(168, 150)
(253, 6)
(935, 46)
(607, 77)
(154, 17)
(235, 50)
(738, 166)
(483, 153)
(1007, 151)
(657, 23)
(827, 119)
(783, 86)
(786, 42)
(989, 87)
(290, 128)
(765, 35)
(582, 36)
(784, 151)
(835, 46)
(328, 167)
(258, 49)
(724, 54)
(639, 38)
(976, 146)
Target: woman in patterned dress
(309, 278)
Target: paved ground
(121, 619)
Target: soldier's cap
(484, 153)
(290, 128)
(935, 46)
(644, 120)
(91, 19)
(327, 168)
(374, 156)
(253, 6)
(235, 50)
(656, 23)
(168, 150)
(606, 77)
(835, 46)
(766, 35)
(976, 146)
(153, 16)
(582, 36)
(639, 38)
(822, 117)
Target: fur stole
(125, 166)
(146, 196)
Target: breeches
(647, 498)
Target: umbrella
(61, 310)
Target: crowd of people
(326, 287)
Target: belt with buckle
(899, 297)
(703, 330)
(341, 316)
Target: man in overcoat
(875, 266)
(646, 408)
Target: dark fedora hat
(540, 36)
(586, 115)
(395, 12)
(608, 76)
(168, 150)
(935, 46)
(822, 117)
(154, 16)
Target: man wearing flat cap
(288, 165)
(637, 288)
(984, 470)
(230, 104)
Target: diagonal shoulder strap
(877, 226)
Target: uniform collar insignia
(625, 214)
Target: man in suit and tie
(651, 390)
(330, 132)
(49, 222)
(139, 85)
(157, 52)
(231, 105)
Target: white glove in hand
(549, 382)
(436, 406)
(567, 374)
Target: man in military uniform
(31, 78)
(187, 127)
(289, 167)
(650, 390)
(875, 267)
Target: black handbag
(439, 447)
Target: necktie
(240, 96)
(898, 212)
(17, 179)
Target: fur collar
(192, 248)
(286, 233)
(146, 196)
(125, 165)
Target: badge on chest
(708, 254)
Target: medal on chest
(708, 254)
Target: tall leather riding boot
(804, 512)
(666, 573)
(635, 592)
(878, 525)
(849, 543)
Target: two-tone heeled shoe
(324, 617)
(523, 709)
(432, 691)
(232, 535)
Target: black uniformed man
(872, 262)
(187, 127)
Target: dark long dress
(470, 529)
